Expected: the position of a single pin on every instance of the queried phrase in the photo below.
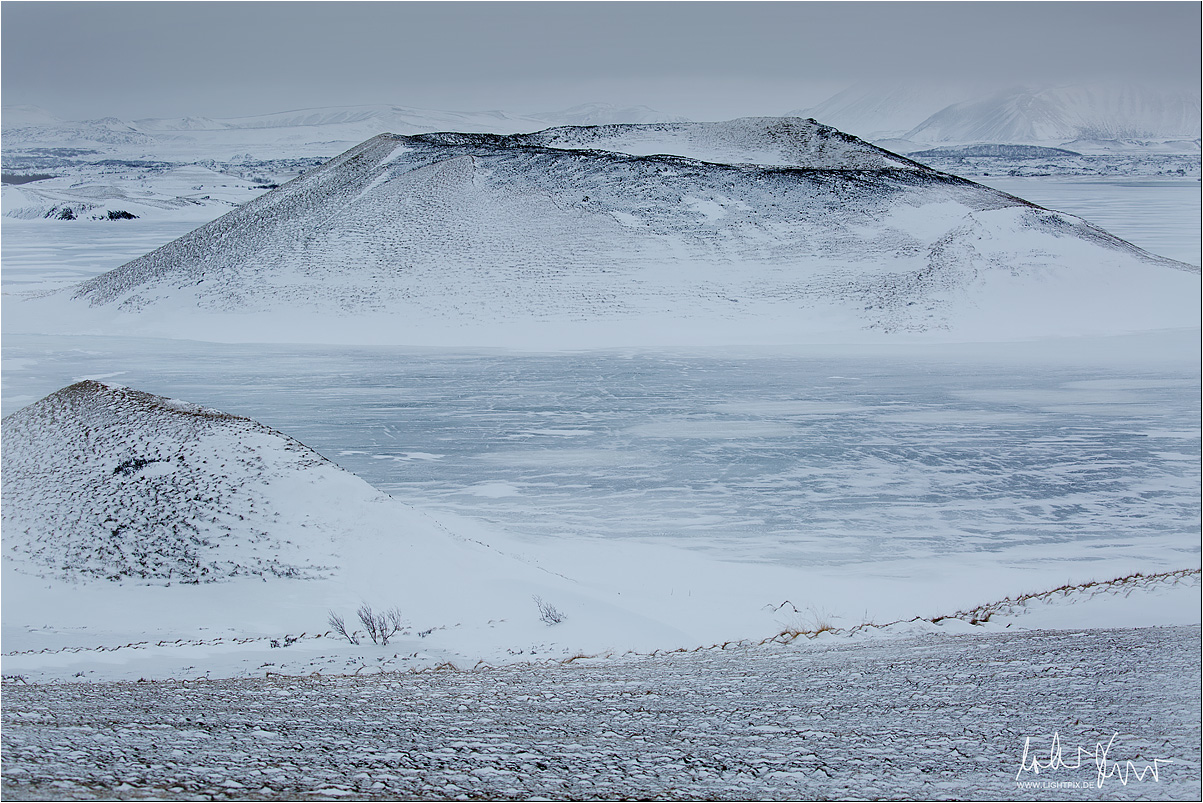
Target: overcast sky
(699, 60)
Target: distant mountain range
(901, 116)
(607, 114)
(1065, 114)
(284, 134)
(459, 237)
(886, 110)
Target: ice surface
(45, 255)
(802, 459)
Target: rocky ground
(926, 716)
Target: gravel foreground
(929, 717)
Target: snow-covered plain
(918, 718)
(661, 500)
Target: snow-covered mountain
(1063, 114)
(994, 152)
(24, 116)
(887, 110)
(451, 236)
(108, 133)
(1099, 118)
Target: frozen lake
(41, 254)
(820, 457)
(1159, 215)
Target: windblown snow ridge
(102, 481)
(1008, 608)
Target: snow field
(924, 717)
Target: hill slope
(443, 236)
(107, 482)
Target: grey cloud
(697, 59)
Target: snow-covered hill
(108, 133)
(107, 482)
(25, 116)
(477, 238)
(105, 485)
(150, 537)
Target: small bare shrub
(547, 612)
(380, 626)
(340, 627)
